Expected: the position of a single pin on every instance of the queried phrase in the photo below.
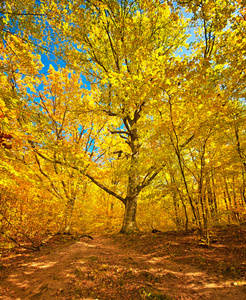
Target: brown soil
(141, 266)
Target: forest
(121, 116)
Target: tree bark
(129, 223)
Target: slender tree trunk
(214, 196)
(227, 195)
(185, 211)
(175, 203)
(176, 145)
(176, 215)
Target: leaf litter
(169, 266)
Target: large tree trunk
(134, 185)
(133, 188)
(129, 223)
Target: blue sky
(48, 60)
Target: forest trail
(114, 267)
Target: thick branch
(147, 180)
(112, 193)
(85, 174)
(20, 14)
(188, 140)
(119, 132)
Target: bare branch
(119, 132)
(84, 173)
(105, 188)
(147, 180)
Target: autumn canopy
(119, 115)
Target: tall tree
(126, 50)
(144, 96)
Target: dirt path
(106, 268)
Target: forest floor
(140, 266)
